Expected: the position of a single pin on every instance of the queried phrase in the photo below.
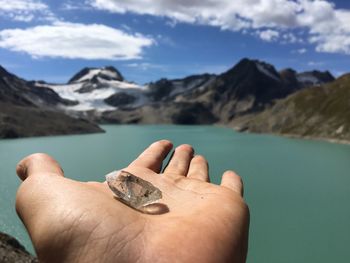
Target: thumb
(40, 173)
(38, 163)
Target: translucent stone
(133, 190)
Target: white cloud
(75, 41)
(145, 66)
(22, 5)
(315, 63)
(269, 35)
(327, 27)
(290, 38)
(25, 10)
(24, 17)
(226, 14)
(193, 11)
(300, 51)
(70, 5)
(332, 43)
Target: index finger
(153, 156)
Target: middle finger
(180, 161)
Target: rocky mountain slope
(247, 88)
(28, 110)
(103, 95)
(318, 112)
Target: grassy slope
(315, 112)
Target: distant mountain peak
(90, 74)
(288, 70)
(267, 69)
(248, 66)
(4, 72)
(2, 69)
(315, 77)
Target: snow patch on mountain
(267, 71)
(121, 85)
(95, 99)
(181, 87)
(308, 79)
(98, 72)
(89, 74)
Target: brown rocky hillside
(319, 112)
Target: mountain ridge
(318, 112)
(102, 95)
(28, 110)
(254, 73)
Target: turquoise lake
(298, 191)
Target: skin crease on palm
(71, 221)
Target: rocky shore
(11, 251)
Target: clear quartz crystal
(132, 190)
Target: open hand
(71, 221)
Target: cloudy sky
(148, 39)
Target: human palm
(71, 221)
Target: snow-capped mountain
(96, 89)
(250, 85)
(29, 110)
(314, 78)
(88, 74)
(104, 89)
(305, 79)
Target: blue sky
(146, 40)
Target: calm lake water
(298, 191)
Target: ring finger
(199, 169)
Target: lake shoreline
(290, 135)
(296, 136)
(325, 139)
(287, 135)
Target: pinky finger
(232, 181)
